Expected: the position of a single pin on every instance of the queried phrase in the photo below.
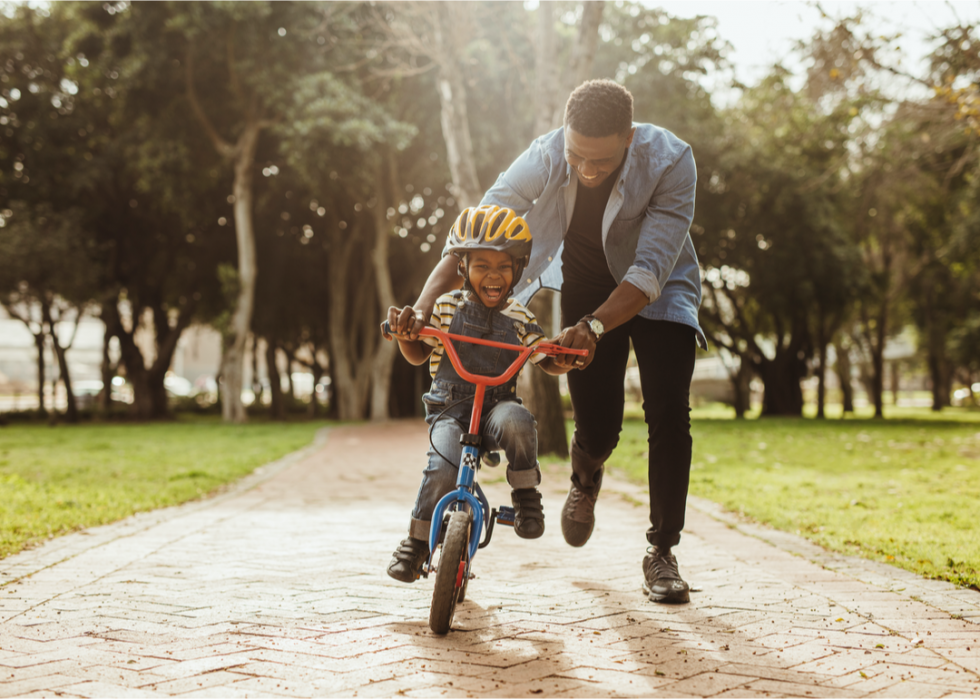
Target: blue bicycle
(463, 515)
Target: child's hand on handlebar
(404, 323)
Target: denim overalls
(506, 424)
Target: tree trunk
(896, 376)
(276, 407)
(290, 360)
(583, 54)
(71, 406)
(878, 363)
(742, 388)
(257, 388)
(107, 369)
(781, 377)
(821, 376)
(451, 17)
(343, 361)
(150, 400)
(384, 358)
(313, 410)
(232, 408)
(546, 72)
(39, 345)
(936, 358)
(783, 395)
(843, 366)
(40, 337)
(540, 393)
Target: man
(614, 202)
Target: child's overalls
(506, 424)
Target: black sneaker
(406, 561)
(528, 513)
(661, 580)
(578, 514)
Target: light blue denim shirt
(645, 229)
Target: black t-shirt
(584, 268)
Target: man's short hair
(599, 108)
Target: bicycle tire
(455, 553)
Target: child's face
(491, 274)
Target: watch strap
(588, 320)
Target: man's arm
(516, 188)
(623, 303)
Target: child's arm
(415, 351)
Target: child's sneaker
(528, 513)
(406, 561)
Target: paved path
(277, 588)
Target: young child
(493, 245)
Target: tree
(780, 252)
(46, 279)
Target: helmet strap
(461, 271)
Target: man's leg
(597, 394)
(511, 427)
(665, 353)
(438, 478)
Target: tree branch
(221, 145)
(236, 86)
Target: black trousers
(665, 355)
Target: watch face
(596, 326)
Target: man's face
(491, 274)
(594, 159)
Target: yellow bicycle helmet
(491, 227)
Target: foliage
(117, 470)
(902, 491)
(827, 209)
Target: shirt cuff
(644, 280)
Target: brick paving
(276, 587)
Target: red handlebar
(481, 382)
(547, 348)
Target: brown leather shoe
(578, 514)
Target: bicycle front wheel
(451, 574)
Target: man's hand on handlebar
(406, 322)
(576, 337)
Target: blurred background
(209, 207)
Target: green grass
(57, 480)
(905, 490)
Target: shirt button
(512, 389)
(550, 258)
(460, 304)
(528, 281)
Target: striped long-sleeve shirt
(528, 330)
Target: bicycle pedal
(505, 515)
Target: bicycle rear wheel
(451, 574)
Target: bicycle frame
(468, 492)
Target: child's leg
(438, 479)
(511, 427)
(439, 476)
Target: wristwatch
(595, 326)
